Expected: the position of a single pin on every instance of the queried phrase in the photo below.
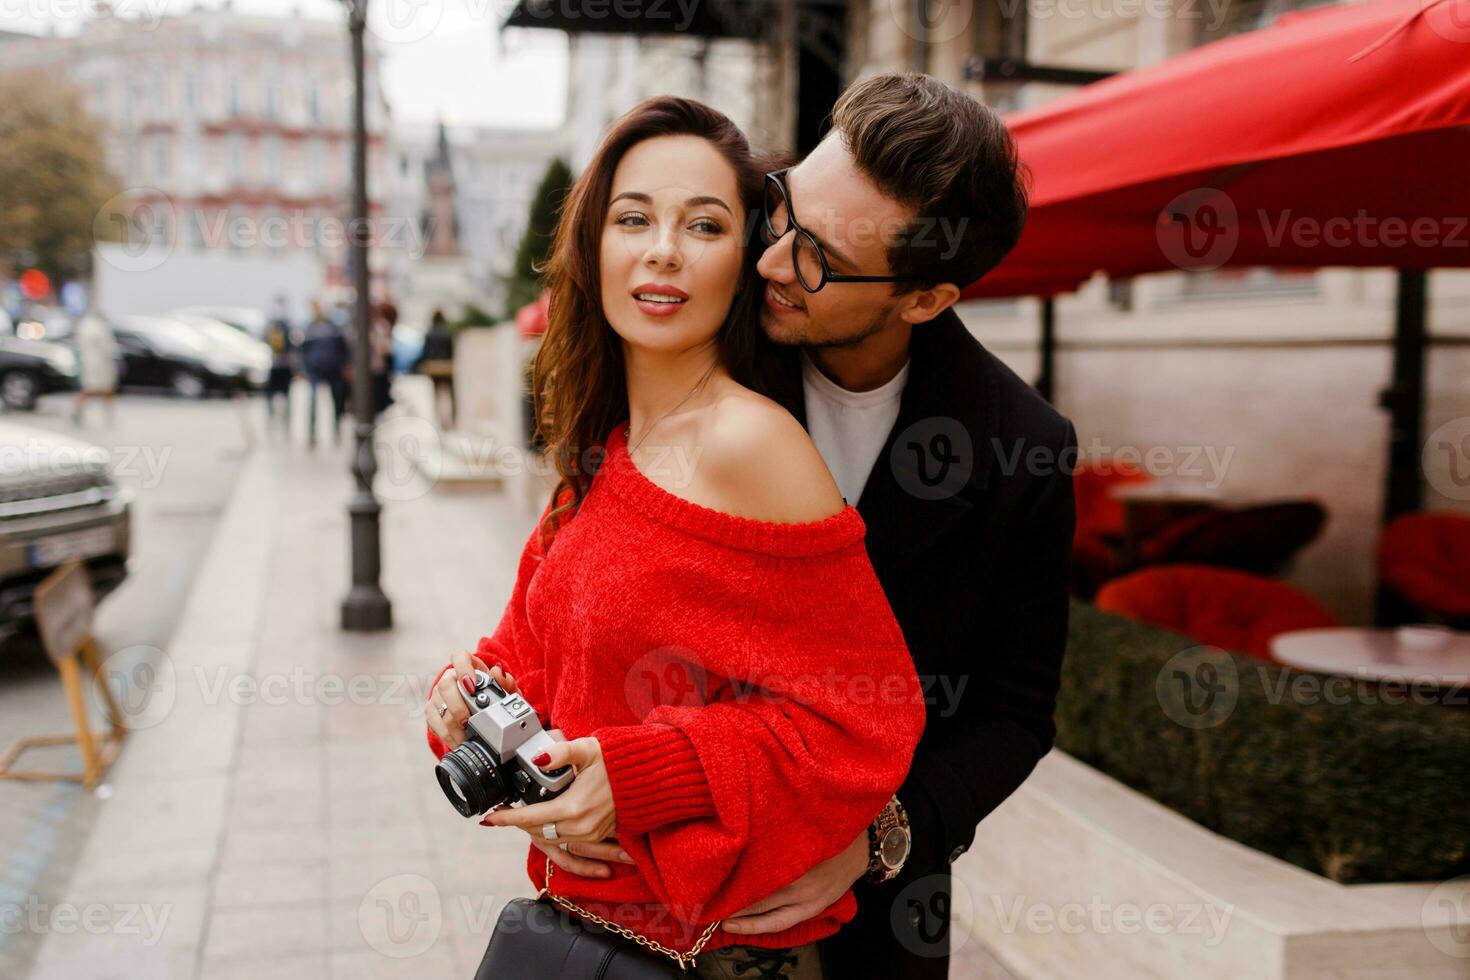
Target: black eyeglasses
(812, 270)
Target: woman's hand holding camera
(584, 815)
(447, 711)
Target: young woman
(695, 610)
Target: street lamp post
(366, 607)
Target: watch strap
(891, 816)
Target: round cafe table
(1376, 654)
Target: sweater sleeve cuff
(656, 776)
(437, 746)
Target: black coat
(969, 514)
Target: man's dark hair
(949, 158)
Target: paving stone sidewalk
(274, 813)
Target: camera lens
(470, 779)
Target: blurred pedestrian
(283, 345)
(324, 355)
(437, 361)
(385, 317)
(97, 352)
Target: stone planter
(1077, 875)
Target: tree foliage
(523, 285)
(53, 177)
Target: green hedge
(1334, 779)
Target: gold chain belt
(685, 960)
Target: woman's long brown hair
(578, 381)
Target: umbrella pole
(1404, 398)
(1045, 377)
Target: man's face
(854, 222)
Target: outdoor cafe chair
(1217, 607)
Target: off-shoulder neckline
(623, 477)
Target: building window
(1232, 281)
(318, 164)
(271, 152)
(190, 95)
(160, 158)
(314, 103)
(233, 96)
(272, 96)
(1247, 15)
(237, 158)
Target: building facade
(228, 131)
(490, 174)
(610, 73)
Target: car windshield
(169, 334)
(250, 322)
(220, 333)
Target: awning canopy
(533, 318)
(690, 18)
(1337, 137)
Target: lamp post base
(366, 609)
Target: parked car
(32, 368)
(57, 502)
(41, 322)
(254, 355)
(246, 319)
(159, 352)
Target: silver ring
(564, 846)
(548, 830)
(443, 709)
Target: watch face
(894, 847)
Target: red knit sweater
(751, 690)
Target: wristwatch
(888, 842)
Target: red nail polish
(541, 759)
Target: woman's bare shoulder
(757, 461)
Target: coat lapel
(939, 454)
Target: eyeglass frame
(778, 178)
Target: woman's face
(671, 244)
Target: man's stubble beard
(803, 338)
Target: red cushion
(1098, 512)
(1426, 559)
(1215, 606)
(1093, 563)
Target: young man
(960, 470)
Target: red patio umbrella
(531, 319)
(1335, 137)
